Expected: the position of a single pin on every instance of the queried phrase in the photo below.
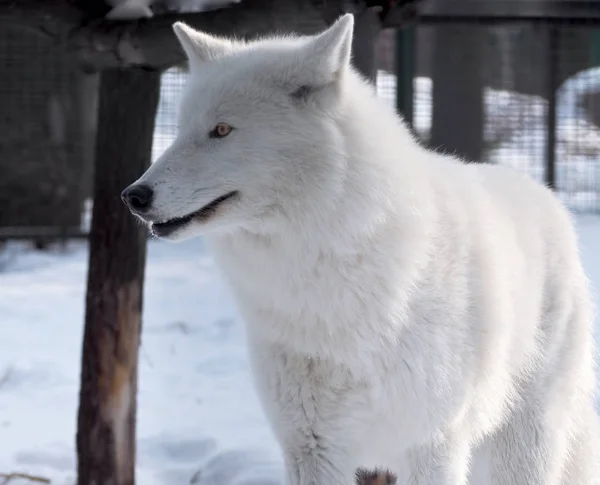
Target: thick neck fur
(293, 261)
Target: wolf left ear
(327, 56)
(199, 46)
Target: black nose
(137, 197)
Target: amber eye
(220, 131)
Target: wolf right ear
(199, 46)
(326, 57)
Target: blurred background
(515, 83)
(524, 93)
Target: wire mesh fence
(165, 130)
(45, 132)
(522, 94)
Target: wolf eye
(220, 131)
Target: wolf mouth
(167, 227)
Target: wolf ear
(327, 56)
(199, 46)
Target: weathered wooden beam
(107, 406)
(100, 44)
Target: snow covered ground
(197, 407)
(199, 420)
(196, 402)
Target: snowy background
(198, 420)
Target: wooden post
(458, 88)
(107, 408)
(367, 27)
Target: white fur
(404, 309)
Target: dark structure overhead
(553, 11)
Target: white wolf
(404, 310)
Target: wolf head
(259, 134)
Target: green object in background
(405, 69)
